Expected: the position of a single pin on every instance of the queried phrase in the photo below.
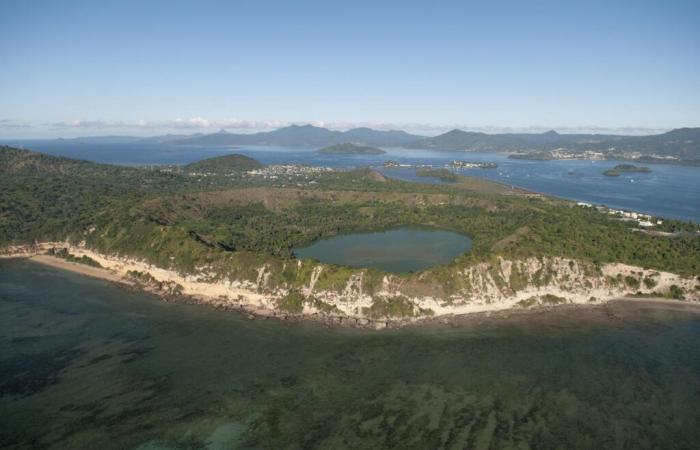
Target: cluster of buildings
(472, 165)
(391, 164)
(562, 153)
(274, 171)
(643, 220)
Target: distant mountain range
(350, 149)
(682, 142)
(677, 146)
(305, 136)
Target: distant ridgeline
(303, 136)
(679, 146)
(350, 149)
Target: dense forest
(181, 220)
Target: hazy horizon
(130, 68)
(96, 130)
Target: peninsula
(227, 239)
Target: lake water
(397, 251)
(85, 364)
(669, 191)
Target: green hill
(224, 164)
(625, 168)
(303, 136)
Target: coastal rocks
(380, 325)
(353, 288)
(314, 278)
(26, 251)
(390, 301)
(263, 277)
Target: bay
(669, 191)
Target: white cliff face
(487, 286)
(312, 282)
(507, 284)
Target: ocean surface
(86, 364)
(669, 191)
(397, 251)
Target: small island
(350, 149)
(625, 168)
(224, 164)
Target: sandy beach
(95, 272)
(621, 309)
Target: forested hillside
(224, 164)
(183, 221)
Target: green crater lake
(397, 251)
(87, 364)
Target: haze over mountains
(683, 144)
(306, 136)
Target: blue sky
(83, 68)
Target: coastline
(619, 310)
(253, 311)
(82, 269)
(263, 308)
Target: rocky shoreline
(252, 312)
(244, 298)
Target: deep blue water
(669, 191)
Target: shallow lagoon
(85, 364)
(397, 251)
